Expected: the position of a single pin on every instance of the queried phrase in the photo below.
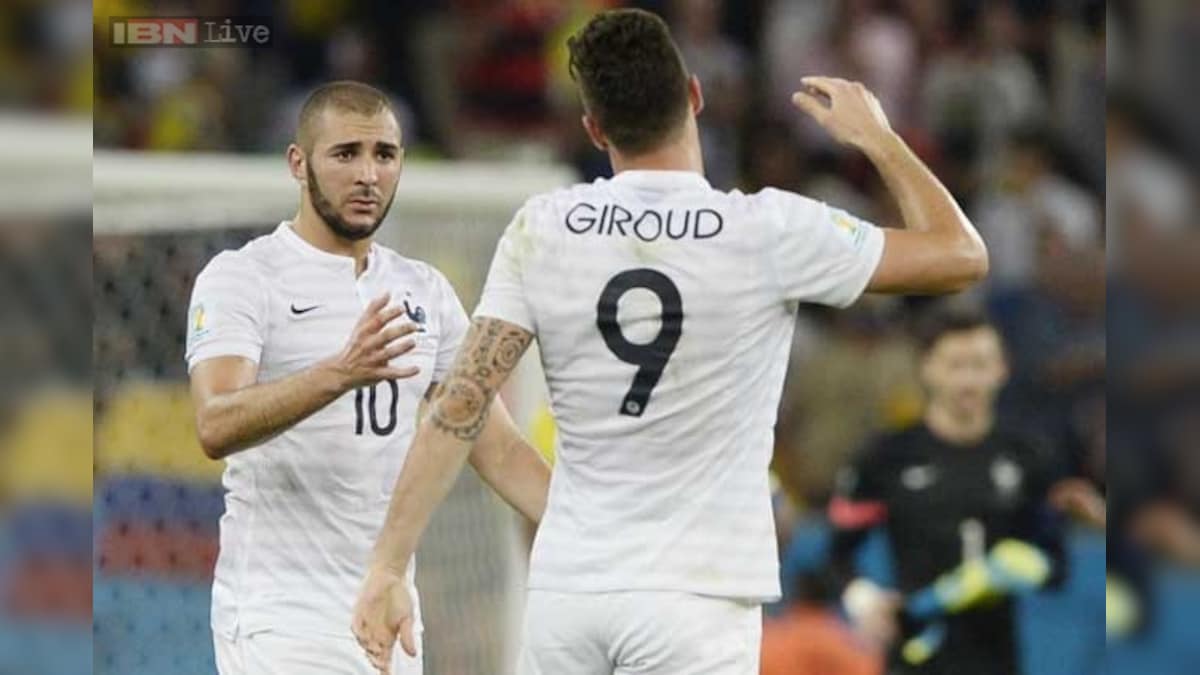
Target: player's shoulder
(778, 199)
(252, 261)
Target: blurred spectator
(504, 73)
(981, 82)
(723, 70)
(858, 380)
(1028, 205)
(1147, 191)
(810, 638)
(856, 40)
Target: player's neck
(681, 154)
(958, 429)
(310, 228)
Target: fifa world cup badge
(197, 324)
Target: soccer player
(664, 312)
(310, 350)
(965, 506)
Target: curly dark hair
(632, 78)
(942, 320)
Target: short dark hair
(344, 95)
(631, 77)
(939, 322)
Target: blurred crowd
(1002, 98)
(45, 56)
(1153, 161)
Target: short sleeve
(504, 291)
(228, 314)
(454, 325)
(818, 253)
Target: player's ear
(695, 94)
(594, 133)
(296, 160)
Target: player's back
(664, 312)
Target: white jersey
(664, 312)
(303, 509)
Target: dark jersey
(938, 505)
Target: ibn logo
(194, 31)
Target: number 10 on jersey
(650, 358)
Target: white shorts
(639, 632)
(273, 653)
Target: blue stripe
(151, 628)
(156, 500)
(45, 648)
(47, 529)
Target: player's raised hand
(373, 343)
(847, 110)
(383, 612)
(1080, 499)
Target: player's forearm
(231, 422)
(1010, 568)
(927, 207)
(434, 460)
(457, 416)
(843, 551)
(511, 466)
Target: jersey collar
(661, 179)
(310, 252)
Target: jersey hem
(245, 349)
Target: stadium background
(999, 97)
(1004, 99)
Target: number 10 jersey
(664, 312)
(303, 508)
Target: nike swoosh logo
(919, 477)
(297, 311)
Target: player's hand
(1079, 498)
(847, 110)
(874, 612)
(373, 343)
(384, 611)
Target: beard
(333, 220)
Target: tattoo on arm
(489, 354)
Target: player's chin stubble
(330, 215)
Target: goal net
(157, 219)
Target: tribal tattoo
(488, 355)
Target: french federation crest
(1007, 476)
(415, 313)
